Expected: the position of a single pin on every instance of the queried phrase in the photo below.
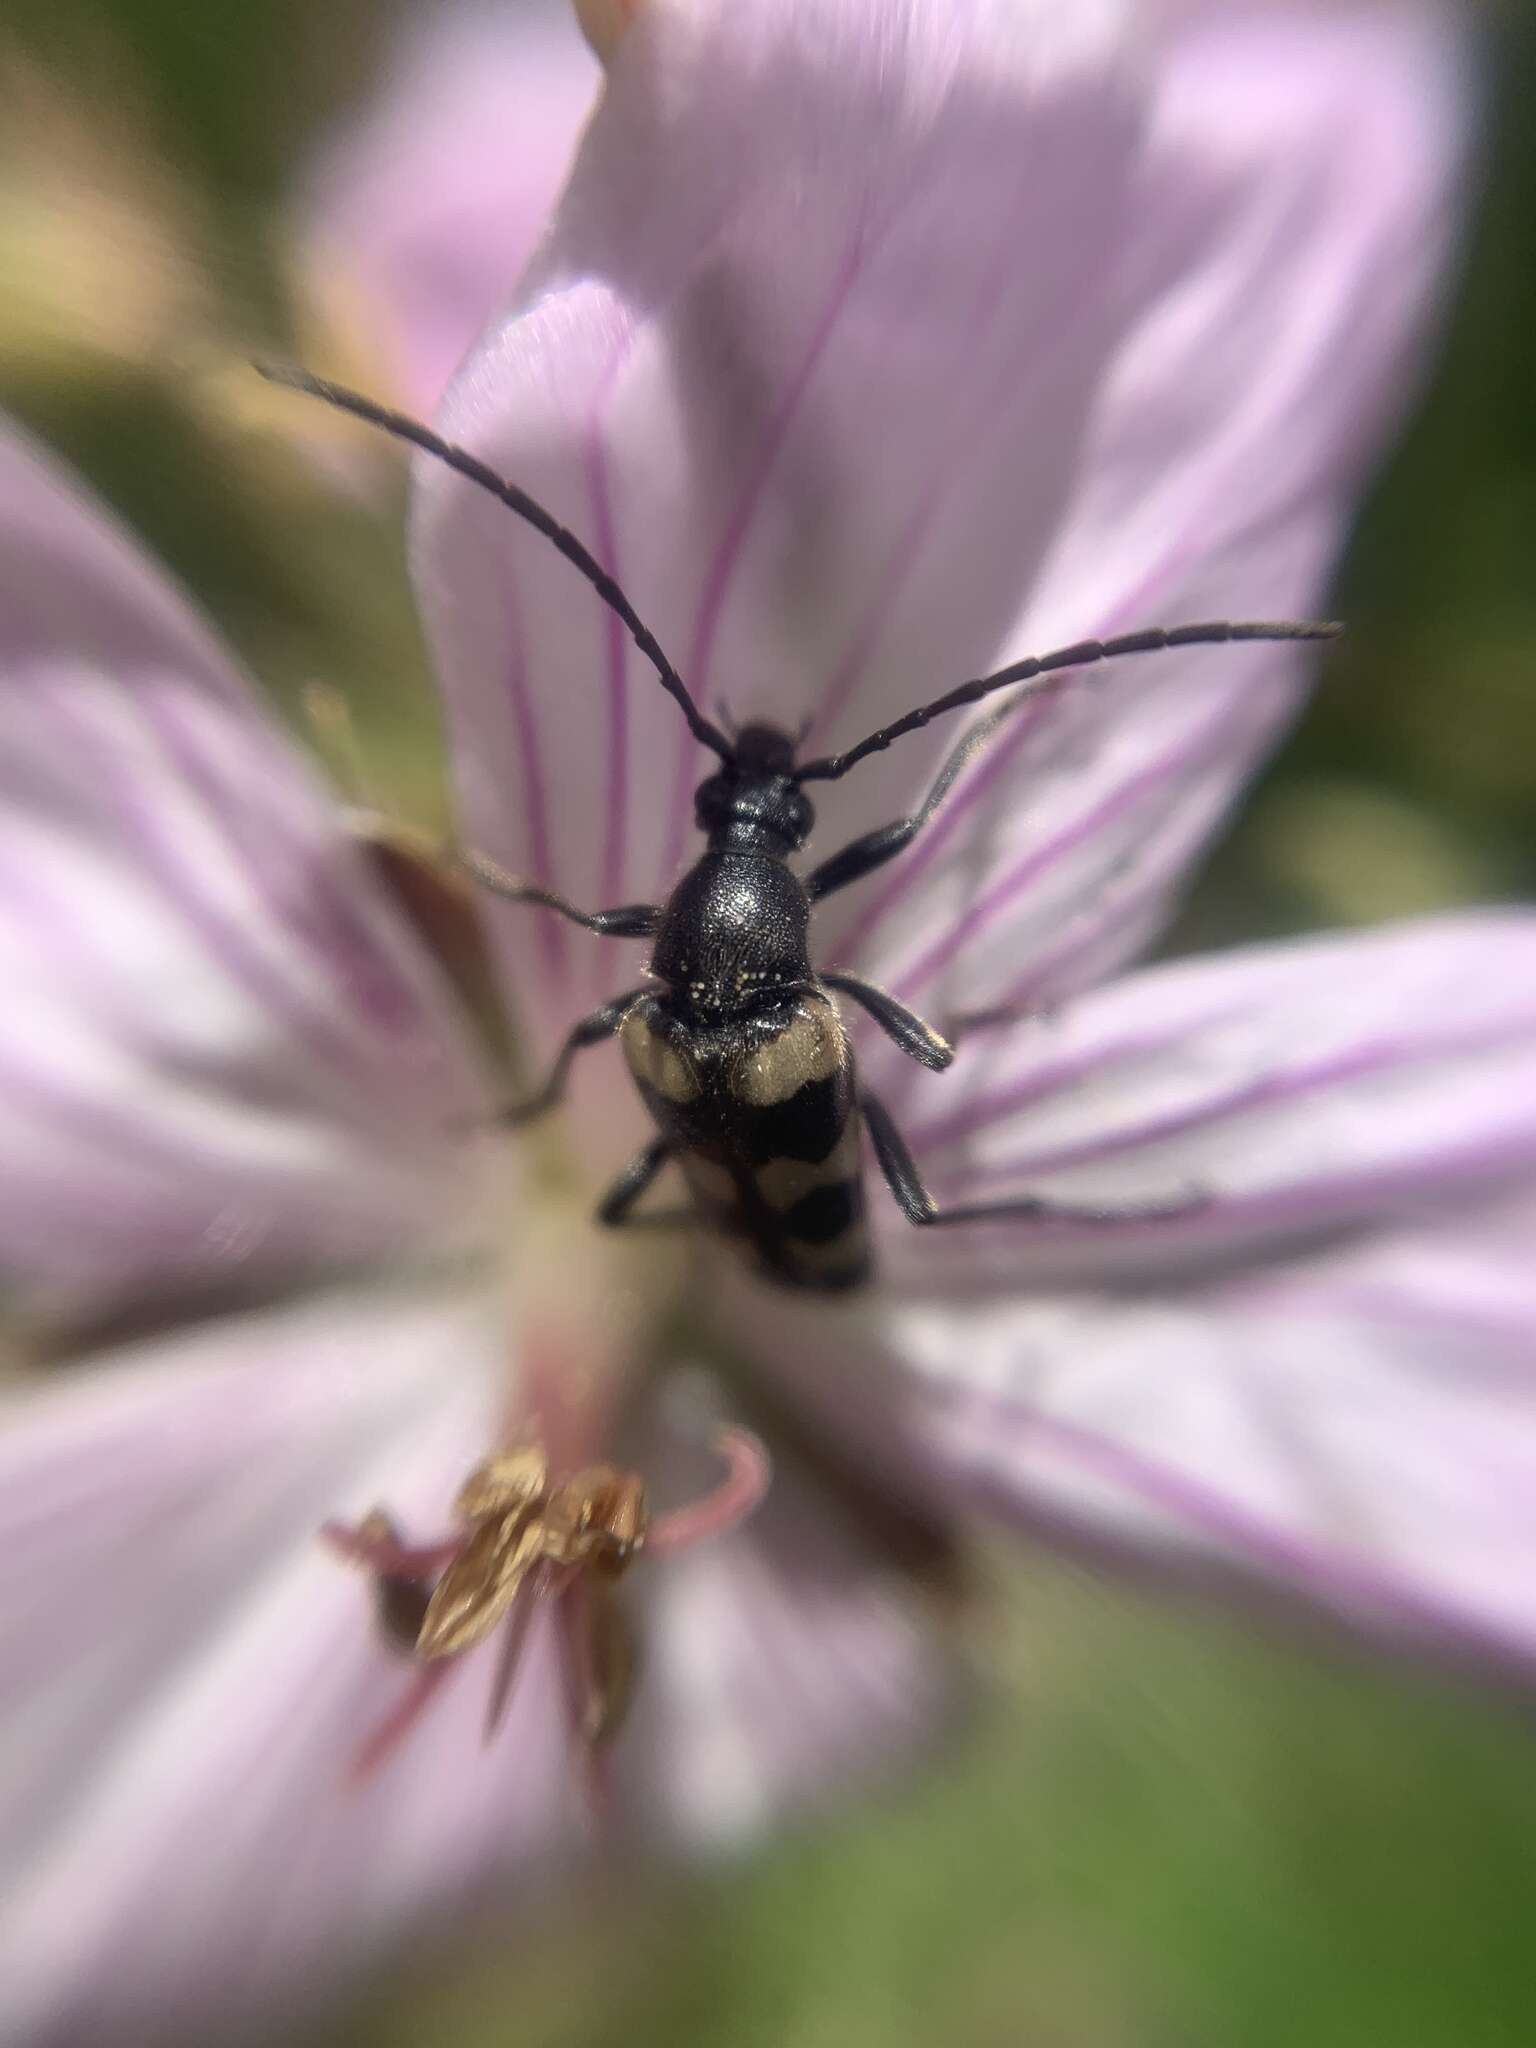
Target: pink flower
(843, 454)
(867, 361)
(415, 223)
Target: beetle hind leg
(616, 1209)
(905, 1182)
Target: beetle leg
(628, 921)
(614, 1209)
(903, 1027)
(873, 849)
(918, 1206)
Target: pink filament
(732, 1501)
(377, 1747)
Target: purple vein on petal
(89, 975)
(40, 1097)
(606, 549)
(958, 448)
(995, 759)
(729, 548)
(1323, 1203)
(1504, 1340)
(329, 919)
(221, 940)
(1268, 1091)
(1301, 1562)
(536, 817)
(1123, 914)
(326, 919)
(1066, 1075)
(1122, 920)
(1192, 752)
(998, 758)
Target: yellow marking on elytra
(783, 1182)
(656, 1063)
(809, 1048)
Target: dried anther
(517, 1521)
(527, 1538)
(518, 1525)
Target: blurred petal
(824, 284)
(1291, 222)
(220, 1053)
(790, 1666)
(425, 211)
(603, 22)
(192, 1672)
(1357, 1433)
(1293, 1089)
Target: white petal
(1356, 1433)
(1279, 1091)
(813, 258)
(788, 1666)
(1292, 216)
(220, 1052)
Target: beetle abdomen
(806, 1217)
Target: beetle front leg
(872, 850)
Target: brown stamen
(527, 1539)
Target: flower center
(528, 1537)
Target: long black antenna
(404, 428)
(1148, 641)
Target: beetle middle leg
(903, 1027)
(602, 1023)
(918, 1206)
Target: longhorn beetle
(739, 1054)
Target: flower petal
(1292, 215)
(1282, 1091)
(1356, 1433)
(829, 438)
(810, 351)
(790, 1665)
(191, 1672)
(424, 211)
(220, 1052)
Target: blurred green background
(1170, 1826)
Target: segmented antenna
(404, 428)
(1149, 641)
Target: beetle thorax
(733, 933)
